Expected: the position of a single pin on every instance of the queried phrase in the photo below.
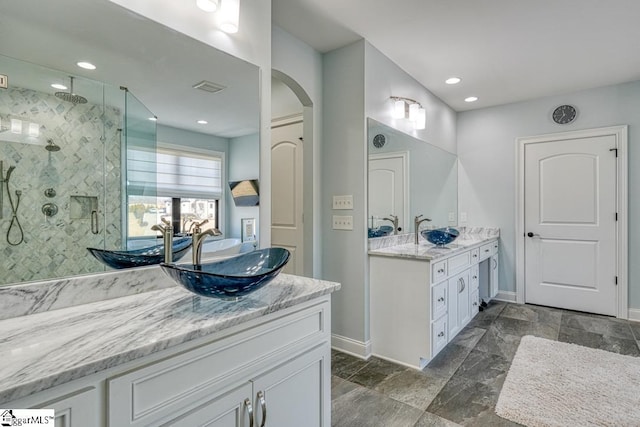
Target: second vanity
(164, 357)
(421, 296)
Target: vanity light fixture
(16, 126)
(230, 16)
(34, 130)
(453, 80)
(59, 86)
(471, 99)
(202, 122)
(416, 114)
(86, 65)
(207, 5)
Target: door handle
(263, 405)
(530, 234)
(249, 408)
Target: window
(189, 189)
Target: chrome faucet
(417, 221)
(167, 239)
(394, 220)
(198, 237)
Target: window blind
(175, 173)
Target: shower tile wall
(87, 164)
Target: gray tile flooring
(462, 384)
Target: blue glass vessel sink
(381, 231)
(141, 257)
(230, 278)
(440, 236)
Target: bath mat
(552, 383)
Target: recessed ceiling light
(453, 80)
(202, 122)
(207, 5)
(59, 86)
(153, 119)
(86, 65)
(471, 99)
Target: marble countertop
(46, 349)
(429, 252)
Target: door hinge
(614, 149)
(616, 280)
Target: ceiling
(504, 50)
(159, 66)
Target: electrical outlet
(343, 202)
(341, 222)
(4, 81)
(452, 216)
(463, 217)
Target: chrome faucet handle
(165, 221)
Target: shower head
(9, 171)
(51, 146)
(70, 96)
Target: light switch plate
(343, 202)
(4, 81)
(341, 222)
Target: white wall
(383, 79)
(343, 172)
(486, 150)
(243, 163)
(302, 64)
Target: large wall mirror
(158, 129)
(408, 177)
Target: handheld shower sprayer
(15, 222)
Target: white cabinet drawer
(475, 277)
(439, 271)
(486, 250)
(438, 300)
(439, 337)
(147, 395)
(459, 262)
(475, 255)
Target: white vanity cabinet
(418, 305)
(272, 371)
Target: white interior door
(570, 224)
(387, 189)
(286, 193)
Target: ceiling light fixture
(59, 86)
(453, 80)
(86, 65)
(416, 114)
(202, 122)
(471, 99)
(230, 16)
(153, 119)
(207, 5)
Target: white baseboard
(634, 314)
(350, 346)
(506, 296)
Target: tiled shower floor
(462, 384)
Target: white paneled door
(286, 193)
(570, 223)
(387, 189)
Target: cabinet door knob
(475, 277)
(475, 255)
(441, 270)
(475, 303)
(249, 408)
(263, 405)
(441, 299)
(441, 334)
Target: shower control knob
(49, 209)
(50, 192)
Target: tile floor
(462, 384)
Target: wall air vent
(208, 86)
